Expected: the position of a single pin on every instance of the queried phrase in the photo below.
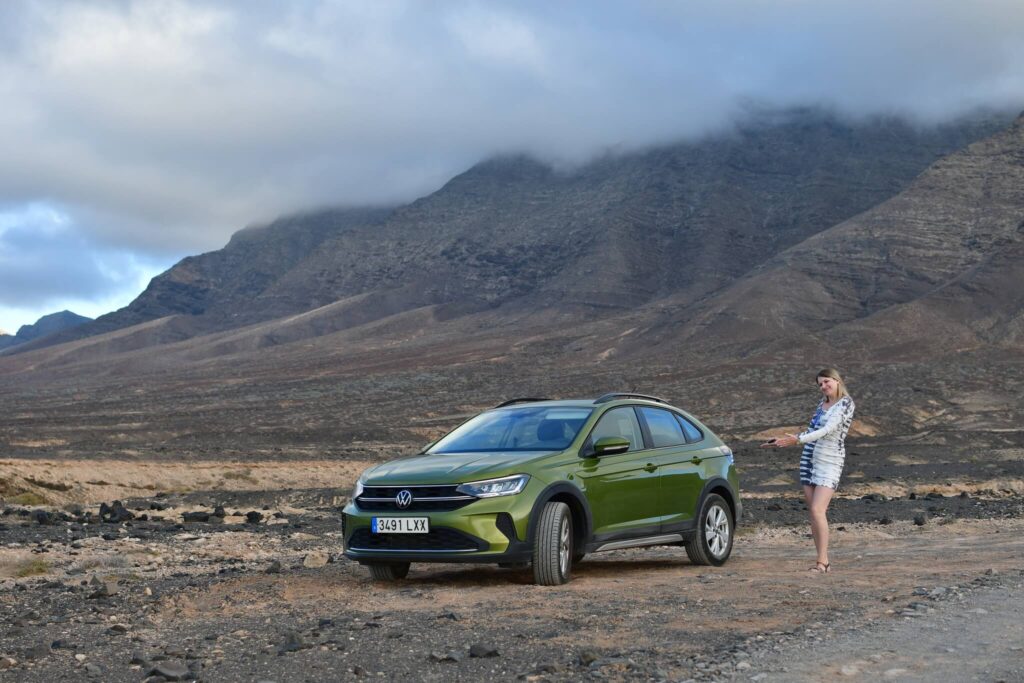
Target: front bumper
(488, 530)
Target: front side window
(620, 422)
(516, 429)
(665, 430)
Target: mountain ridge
(961, 217)
(622, 231)
(47, 325)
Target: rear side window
(693, 435)
(665, 431)
(620, 422)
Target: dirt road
(982, 640)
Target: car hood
(448, 468)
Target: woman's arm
(781, 441)
(832, 425)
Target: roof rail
(627, 394)
(520, 400)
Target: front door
(622, 489)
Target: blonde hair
(832, 373)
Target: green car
(543, 482)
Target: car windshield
(516, 429)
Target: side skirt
(663, 539)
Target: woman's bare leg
(818, 506)
(808, 495)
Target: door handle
(650, 467)
(696, 460)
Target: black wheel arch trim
(733, 500)
(545, 497)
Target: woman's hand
(782, 442)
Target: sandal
(821, 567)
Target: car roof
(607, 399)
(550, 403)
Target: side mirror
(610, 445)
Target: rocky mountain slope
(228, 280)
(681, 220)
(938, 267)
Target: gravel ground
(952, 634)
(262, 593)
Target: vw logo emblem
(403, 499)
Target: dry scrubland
(927, 530)
(233, 599)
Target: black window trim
(644, 429)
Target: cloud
(498, 38)
(162, 126)
(47, 265)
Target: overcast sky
(134, 133)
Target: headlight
(489, 488)
(358, 490)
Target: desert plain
(230, 566)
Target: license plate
(401, 525)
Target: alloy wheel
(564, 547)
(716, 530)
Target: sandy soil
(86, 481)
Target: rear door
(622, 489)
(679, 466)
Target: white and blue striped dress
(821, 463)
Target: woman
(824, 452)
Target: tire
(552, 546)
(712, 541)
(392, 571)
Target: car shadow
(490, 575)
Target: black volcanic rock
(115, 513)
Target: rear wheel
(391, 571)
(552, 546)
(712, 542)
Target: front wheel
(552, 546)
(391, 571)
(712, 541)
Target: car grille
(439, 539)
(424, 499)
